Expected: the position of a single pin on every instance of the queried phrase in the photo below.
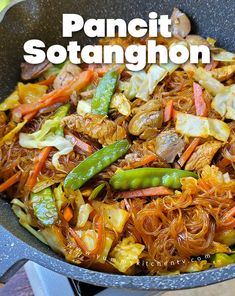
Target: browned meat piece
(181, 25)
(168, 145)
(29, 72)
(67, 73)
(203, 155)
(145, 120)
(95, 126)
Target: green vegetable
(142, 84)
(206, 80)
(104, 91)
(149, 177)
(95, 163)
(96, 191)
(50, 134)
(4, 4)
(221, 259)
(25, 219)
(224, 56)
(61, 113)
(226, 237)
(44, 206)
(60, 198)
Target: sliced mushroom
(181, 25)
(144, 120)
(29, 71)
(196, 40)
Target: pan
(41, 19)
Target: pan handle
(11, 255)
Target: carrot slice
(9, 182)
(151, 191)
(213, 64)
(40, 162)
(145, 160)
(188, 152)
(101, 236)
(59, 95)
(168, 111)
(201, 108)
(47, 81)
(68, 214)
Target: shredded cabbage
(50, 135)
(114, 218)
(224, 56)
(205, 78)
(84, 107)
(197, 126)
(10, 102)
(33, 141)
(142, 84)
(126, 253)
(224, 102)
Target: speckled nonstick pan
(42, 19)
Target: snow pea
(44, 206)
(103, 94)
(149, 177)
(60, 114)
(95, 163)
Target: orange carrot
(47, 81)
(145, 160)
(9, 182)
(68, 214)
(174, 113)
(59, 95)
(151, 191)
(201, 108)
(168, 111)
(188, 152)
(80, 144)
(32, 179)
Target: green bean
(96, 191)
(95, 163)
(149, 177)
(103, 94)
(44, 206)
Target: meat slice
(30, 71)
(168, 145)
(96, 127)
(67, 73)
(203, 155)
